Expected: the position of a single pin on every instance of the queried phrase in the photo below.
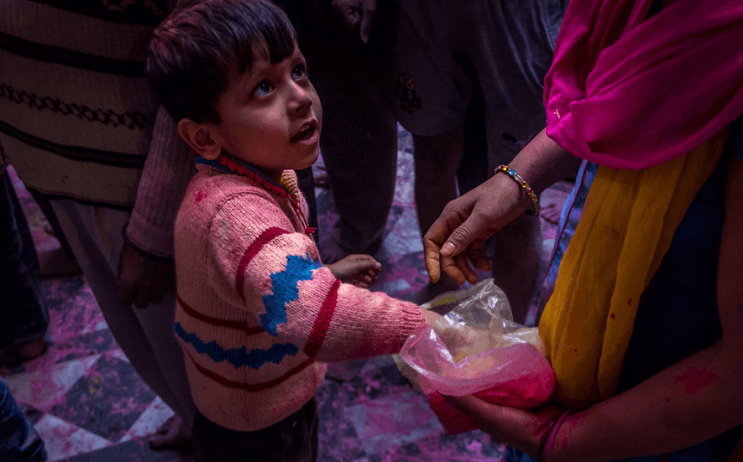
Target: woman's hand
(524, 430)
(457, 238)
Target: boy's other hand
(359, 270)
(143, 280)
(357, 13)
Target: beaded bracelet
(524, 185)
(545, 446)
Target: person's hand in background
(142, 279)
(357, 13)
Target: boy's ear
(200, 138)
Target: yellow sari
(626, 228)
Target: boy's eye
(299, 71)
(262, 89)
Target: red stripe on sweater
(216, 321)
(250, 387)
(264, 238)
(322, 322)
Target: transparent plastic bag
(476, 348)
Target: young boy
(258, 314)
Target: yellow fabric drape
(626, 228)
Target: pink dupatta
(630, 93)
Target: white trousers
(145, 335)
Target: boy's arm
(145, 264)
(262, 264)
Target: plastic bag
(476, 348)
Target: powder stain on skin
(695, 379)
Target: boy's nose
(301, 98)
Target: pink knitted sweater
(257, 312)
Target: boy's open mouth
(305, 132)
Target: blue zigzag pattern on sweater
(254, 359)
(284, 288)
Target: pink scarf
(631, 93)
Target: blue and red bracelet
(524, 185)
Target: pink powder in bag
(517, 376)
(525, 393)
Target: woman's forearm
(689, 402)
(685, 404)
(543, 162)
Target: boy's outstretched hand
(359, 270)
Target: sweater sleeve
(258, 261)
(165, 177)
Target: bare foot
(551, 213)
(33, 349)
(358, 269)
(14, 356)
(172, 434)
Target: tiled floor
(88, 403)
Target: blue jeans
(19, 441)
(23, 313)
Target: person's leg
(58, 261)
(24, 312)
(144, 335)
(19, 441)
(436, 159)
(473, 168)
(359, 141)
(436, 162)
(46, 208)
(511, 77)
(516, 263)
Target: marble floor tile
(107, 400)
(64, 439)
(44, 388)
(149, 421)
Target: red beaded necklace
(229, 164)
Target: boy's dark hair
(191, 51)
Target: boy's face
(271, 115)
